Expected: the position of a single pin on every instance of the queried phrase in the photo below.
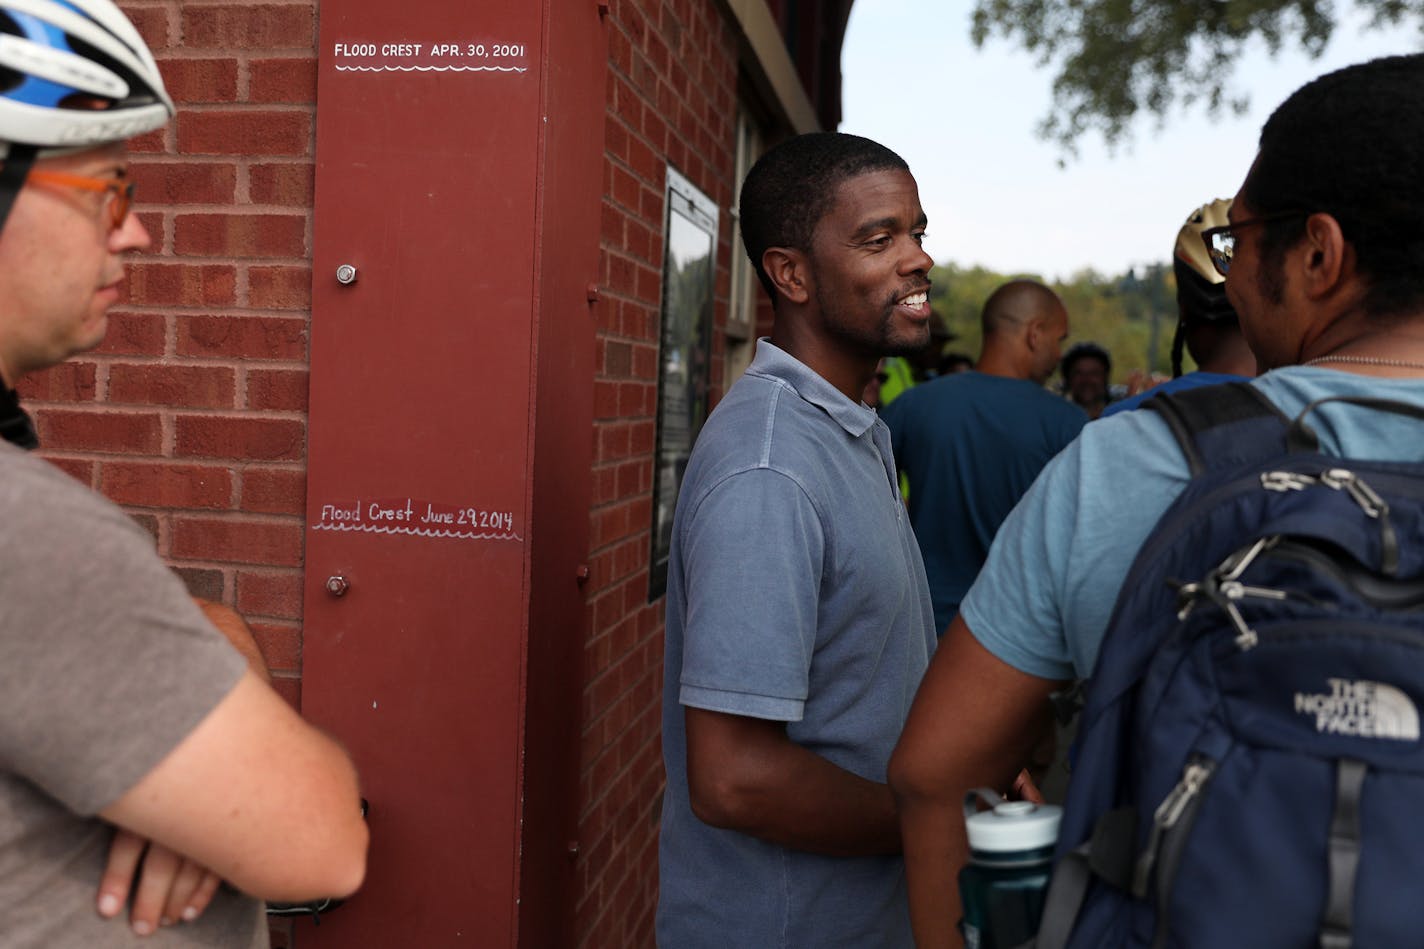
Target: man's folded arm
(259, 796)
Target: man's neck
(1399, 340)
(848, 373)
(1002, 361)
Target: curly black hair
(1084, 350)
(793, 185)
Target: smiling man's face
(871, 273)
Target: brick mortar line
(178, 411)
(164, 461)
(207, 108)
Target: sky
(965, 120)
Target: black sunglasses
(1221, 241)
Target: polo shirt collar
(776, 363)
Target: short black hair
(1081, 351)
(793, 185)
(1351, 144)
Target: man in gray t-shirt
(103, 670)
(798, 616)
(136, 744)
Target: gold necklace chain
(1366, 361)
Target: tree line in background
(1133, 315)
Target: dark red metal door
(419, 498)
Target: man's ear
(1324, 255)
(1033, 334)
(789, 271)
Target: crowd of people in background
(856, 666)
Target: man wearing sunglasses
(137, 745)
(1323, 257)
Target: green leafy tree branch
(1118, 59)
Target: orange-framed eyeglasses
(119, 190)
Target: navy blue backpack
(1248, 770)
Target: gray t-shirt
(795, 594)
(106, 665)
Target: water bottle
(1010, 855)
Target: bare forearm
(254, 793)
(935, 848)
(807, 803)
(747, 775)
(998, 714)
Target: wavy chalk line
(414, 532)
(340, 68)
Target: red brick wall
(671, 99)
(192, 414)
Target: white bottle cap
(1014, 825)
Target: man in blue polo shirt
(798, 616)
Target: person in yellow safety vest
(896, 376)
(903, 372)
(898, 373)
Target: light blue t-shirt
(795, 594)
(1043, 600)
(971, 444)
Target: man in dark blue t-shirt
(972, 443)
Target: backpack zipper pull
(1232, 567)
(1344, 479)
(1286, 481)
(1232, 589)
(1246, 637)
(1223, 582)
(1168, 813)
(1374, 507)
(1235, 590)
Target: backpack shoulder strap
(1222, 425)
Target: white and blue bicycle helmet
(74, 74)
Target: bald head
(1016, 304)
(1024, 327)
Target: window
(684, 357)
(742, 307)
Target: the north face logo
(1363, 709)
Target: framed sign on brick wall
(684, 354)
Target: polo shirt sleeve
(752, 553)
